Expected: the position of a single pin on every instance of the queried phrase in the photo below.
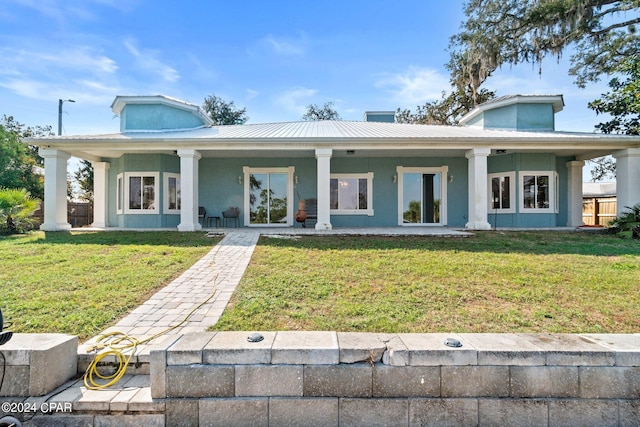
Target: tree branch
(614, 26)
(617, 8)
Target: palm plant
(16, 210)
(627, 225)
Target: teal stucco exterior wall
(523, 117)
(138, 117)
(219, 188)
(536, 162)
(142, 163)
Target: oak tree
(316, 112)
(224, 112)
(496, 32)
(446, 111)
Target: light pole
(60, 102)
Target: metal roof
(369, 139)
(336, 130)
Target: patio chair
(311, 206)
(233, 214)
(202, 214)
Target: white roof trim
(120, 101)
(556, 100)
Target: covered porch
(461, 190)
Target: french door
(268, 195)
(422, 196)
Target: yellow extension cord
(123, 347)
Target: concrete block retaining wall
(348, 379)
(35, 364)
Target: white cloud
(286, 47)
(7, 70)
(199, 70)
(252, 93)
(76, 58)
(38, 73)
(296, 100)
(83, 92)
(132, 48)
(415, 85)
(49, 8)
(147, 60)
(99, 86)
(82, 59)
(27, 88)
(63, 11)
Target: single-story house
(505, 166)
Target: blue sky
(273, 58)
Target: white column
(574, 214)
(100, 193)
(627, 178)
(189, 190)
(55, 190)
(478, 190)
(323, 157)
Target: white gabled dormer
(516, 112)
(157, 113)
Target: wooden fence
(78, 214)
(599, 210)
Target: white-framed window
(141, 192)
(351, 194)
(557, 191)
(172, 193)
(502, 192)
(538, 190)
(120, 193)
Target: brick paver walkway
(217, 273)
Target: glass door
(268, 202)
(421, 196)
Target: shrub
(627, 225)
(16, 210)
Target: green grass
(494, 282)
(80, 283)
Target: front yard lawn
(494, 282)
(80, 283)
